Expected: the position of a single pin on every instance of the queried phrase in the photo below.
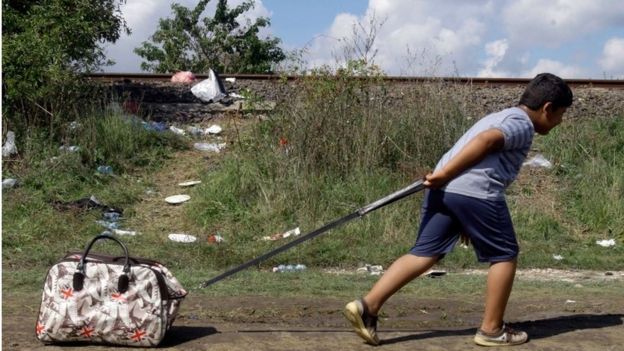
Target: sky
(469, 38)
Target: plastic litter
(108, 224)
(182, 238)
(177, 199)
(215, 239)
(155, 126)
(434, 273)
(213, 129)
(570, 301)
(606, 243)
(9, 183)
(538, 161)
(71, 148)
(371, 269)
(211, 89)
(85, 203)
(124, 232)
(289, 268)
(183, 77)
(194, 131)
(111, 216)
(177, 131)
(189, 183)
(105, 169)
(9, 147)
(209, 147)
(230, 79)
(277, 236)
(558, 257)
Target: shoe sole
(352, 314)
(484, 342)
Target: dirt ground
(408, 323)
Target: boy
(466, 194)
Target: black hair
(546, 87)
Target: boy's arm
(484, 143)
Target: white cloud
(612, 60)
(555, 67)
(495, 52)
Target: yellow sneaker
(506, 337)
(364, 323)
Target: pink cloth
(183, 77)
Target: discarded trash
(108, 224)
(230, 79)
(189, 183)
(195, 131)
(72, 148)
(570, 301)
(182, 238)
(111, 216)
(213, 129)
(289, 268)
(211, 89)
(215, 239)
(155, 126)
(558, 257)
(370, 269)
(9, 183)
(124, 232)
(434, 273)
(177, 131)
(606, 243)
(9, 147)
(538, 161)
(286, 234)
(74, 125)
(209, 147)
(85, 203)
(177, 199)
(105, 169)
(183, 77)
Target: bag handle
(79, 275)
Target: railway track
(154, 77)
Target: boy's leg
(499, 283)
(402, 271)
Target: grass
(342, 145)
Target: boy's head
(548, 97)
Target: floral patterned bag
(119, 300)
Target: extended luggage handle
(79, 275)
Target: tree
(190, 42)
(45, 43)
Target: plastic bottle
(111, 216)
(105, 169)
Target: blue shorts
(487, 223)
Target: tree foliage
(192, 42)
(46, 42)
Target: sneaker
(364, 323)
(506, 337)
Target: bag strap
(79, 275)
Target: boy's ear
(547, 106)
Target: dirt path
(408, 323)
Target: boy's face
(549, 118)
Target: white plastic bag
(9, 147)
(209, 90)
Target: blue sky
(489, 38)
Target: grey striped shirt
(489, 178)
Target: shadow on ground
(537, 329)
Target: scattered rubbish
(538, 161)
(236, 96)
(177, 131)
(189, 183)
(9, 147)
(8, 183)
(558, 257)
(230, 79)
(105, 169)
(606, 243)
(609, 273)
(371, 269)
(213, 129)
(124, 232)
(277, 236)
(434, 273)
(74, 125)
(211, 89)
(155, 126)
(111, 216)
(72, 148)
(215, 239)
(86, 203)
(424, 311)
(177, 199)
(182, 238)
(289, 268)
(183, 77)
(209, 147)
(108, 224)
(195, 131)
(570, 301)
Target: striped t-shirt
(489, 178)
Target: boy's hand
(436, 179)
